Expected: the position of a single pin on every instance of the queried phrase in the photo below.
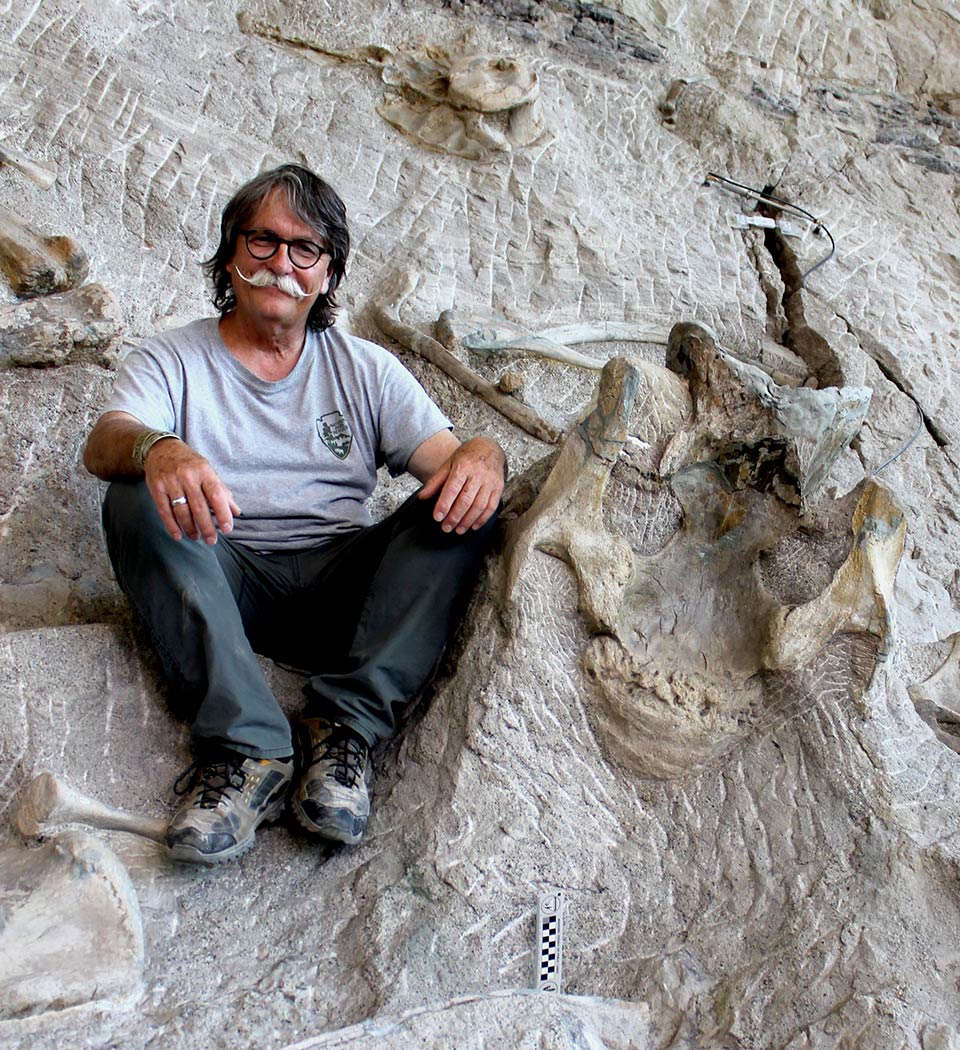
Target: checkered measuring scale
(549, 948)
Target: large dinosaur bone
(498, 336)
(759, 433)
(566, 519)
(36, 264)
(46, 803)
(386, 313)
(860, 595)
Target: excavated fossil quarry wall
(708, 687)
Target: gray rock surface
(756, 850)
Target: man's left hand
(468, 483)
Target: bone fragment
(80, 325)
(566, 519)
(858, 598)
(510, 382)
(37, 173)
(36, 264)
(774, 437)
(46, 803)
(501, 336)
(386, 313)
(668, 107)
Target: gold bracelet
(146, 439)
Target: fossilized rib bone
(773, 437)
(501, 336)
(386, 313)
(860, 595)
(566, 519)
(46, 803)
(35, 264)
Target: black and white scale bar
(548, 953)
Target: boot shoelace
(214, 778)
(347, 752)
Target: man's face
(271, 303)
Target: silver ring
(178, 502)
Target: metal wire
(782, 205)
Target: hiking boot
(227, 801)
(331, 800)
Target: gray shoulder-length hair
(313, 201)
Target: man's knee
(128, 505)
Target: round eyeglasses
(264, 244)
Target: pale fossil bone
(36, 264)
(38, 173)
(47, 803)
(446, 97)
(386, 312)
(860, 595)
(497, 335)
(937, 699)
(751, 426)
(80, 325)
(566, 518)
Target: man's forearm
(116, 445)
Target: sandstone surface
(721, 717)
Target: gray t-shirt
(300, 455)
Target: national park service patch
(335, 434)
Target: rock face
(707, 687)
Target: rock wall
(708, 686)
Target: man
(240, 451)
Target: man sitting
(257, 437)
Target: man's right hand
(174, 471)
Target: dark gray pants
(367, 615)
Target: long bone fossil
(386, 312)
(499, 336)
(46, 803)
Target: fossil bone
(80, 325)
(860, 596)
(496, 335)
(937, 699)
(386, 313)
(36, 264)
(448, 98)
(37, 173)
(758, 432)
(47, 803)
(566, 519)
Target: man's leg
(417, 581)
(187, 593)
(401, 587)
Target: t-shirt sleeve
(407, 417)
(145, 388)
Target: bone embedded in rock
(859, 598)
(82, 325)
(72, 932)
(566, 518)
(47, 803)
(38, 173)
(784, 439)
(386, 312)
(36, 264)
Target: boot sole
(189, 855)
(327, 832)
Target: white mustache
(265, 279)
